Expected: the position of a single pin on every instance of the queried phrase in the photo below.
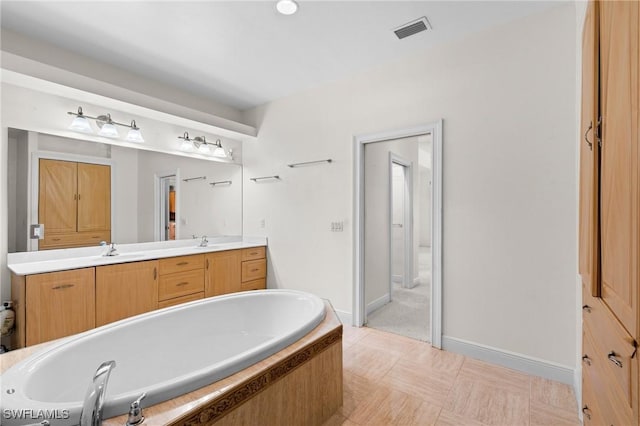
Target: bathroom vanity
(62, 292)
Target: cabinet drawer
(181, 264)
(591, 413)
(74, 239)
(253, 253)
(180, 284)
(254, 269)
(613, 349)
(179, 300)
(260, 284)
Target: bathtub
(164, 353)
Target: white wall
(507, 97)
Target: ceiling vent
(413, 27)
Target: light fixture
(80, 123)
(186, 144)
(219, 151)
(134, 134)
(106, 125)
(287, 7)
(107, 128)
(201, 145)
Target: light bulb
(287, 7)
(81, 124)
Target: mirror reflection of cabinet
(74, 203)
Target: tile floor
(394, 380)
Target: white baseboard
(346, 318)
(378, 303)
(515, 361)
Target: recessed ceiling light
(287, 7)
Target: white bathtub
(164, 353)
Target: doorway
(379, 284)
(167, 206)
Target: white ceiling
(243, 53)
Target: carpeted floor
(409, 312)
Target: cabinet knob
(586, 308)
(587, 412)
(586, 359)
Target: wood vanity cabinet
(74, 203)
(58, 304)
(609, 239)
(126, 289)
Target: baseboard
(378, 303)
(515, 361)
(346, 318)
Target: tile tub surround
(312, 364)
(37, 262)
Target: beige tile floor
(394, 380)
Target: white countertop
(39, 262)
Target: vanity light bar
(106, 124)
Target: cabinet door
(59, 304)
(94, 197)
(224, 271)
(619, 160)
(589, 150)
(125, 290)
(57, 196)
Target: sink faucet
(111, 250)
(91, 414)
(204, 241)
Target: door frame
(435, 129)
(407, 220)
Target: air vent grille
(412, 28)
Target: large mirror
(140, 196)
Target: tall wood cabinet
(609, 212)
(74, 203)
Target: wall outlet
(337, 226)
(261, 223)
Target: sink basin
(119, 257)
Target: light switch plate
(36, 231)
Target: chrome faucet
(135, 412)
(91, 414)
(111, 250)
(204, 241)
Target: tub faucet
(111, 250)
(135, 412)
(204, 241)
(91, 414)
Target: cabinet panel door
(224, 271)
(589, 153)
(619, 159)
(94, 197)
(125, 290)
(57, 195)
(59, 304)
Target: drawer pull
(253, 253)
(586, 308)
(255, 270)
(63, 286)
(207, 263)
(587, 412)
(586, 359)
(614, 359)
(56, 239)
(182, 283)
(182, 263)
(155, 273)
